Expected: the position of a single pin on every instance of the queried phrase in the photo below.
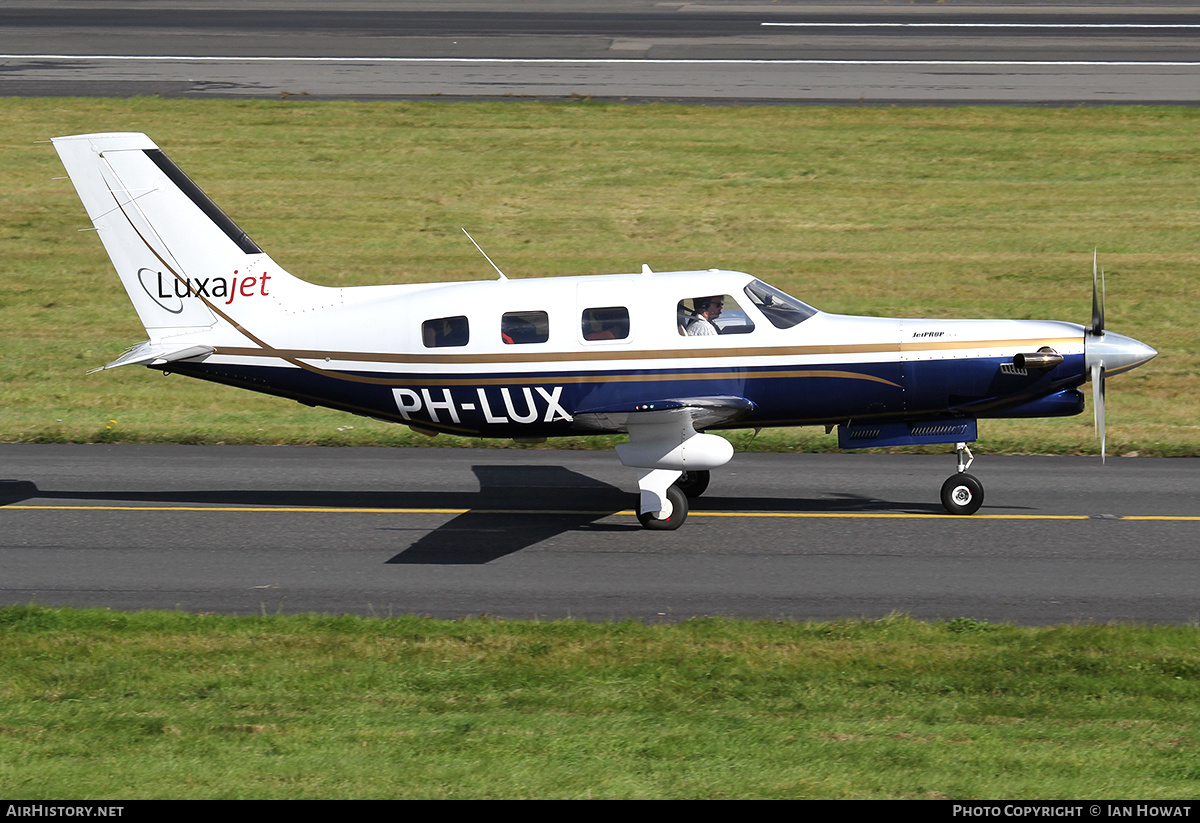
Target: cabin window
(710, 315)
(783, 310)
(445, 331)
(525, 327)
(607, 323)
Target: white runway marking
(598, 61)
(982, 25)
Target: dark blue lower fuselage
(543, 404)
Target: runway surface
(792, 51)
(548, 534)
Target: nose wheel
(962, 493)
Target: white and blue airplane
(661, 356)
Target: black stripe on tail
(203, 202)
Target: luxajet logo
(169, 291)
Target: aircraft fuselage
(825, 369)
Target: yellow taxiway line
(626, 512)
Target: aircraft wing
(155, 354)
(700, 412)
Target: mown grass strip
(101, 704)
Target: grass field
(101, 705)
(949, 212)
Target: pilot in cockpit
(707, 310)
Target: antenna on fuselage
(485, 256)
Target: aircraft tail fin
(181, 259)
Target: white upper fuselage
(376, 328)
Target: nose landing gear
(962, 493)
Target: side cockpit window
(607, 323)
(445, 331)
(711, 315)
(525, 327)
(783, 310)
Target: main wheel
(962, 494)
(693, 483)
(679, 512)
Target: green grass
(103, 705)
(948, 212)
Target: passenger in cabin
(610, 323)
(445, 331)
(707, 310)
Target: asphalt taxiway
(550, 534)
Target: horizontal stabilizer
(156, 354)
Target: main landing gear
(692, 483)
(962, 493)
(679, 512)
(672, 461)
(687, 484)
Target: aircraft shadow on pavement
(517, 507)
(529, 489)
(514, 508)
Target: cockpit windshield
(783, 310)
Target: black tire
(679, 512)
(693, 483)
(962, 494)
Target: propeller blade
(1098, 407)
(1097, 297)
